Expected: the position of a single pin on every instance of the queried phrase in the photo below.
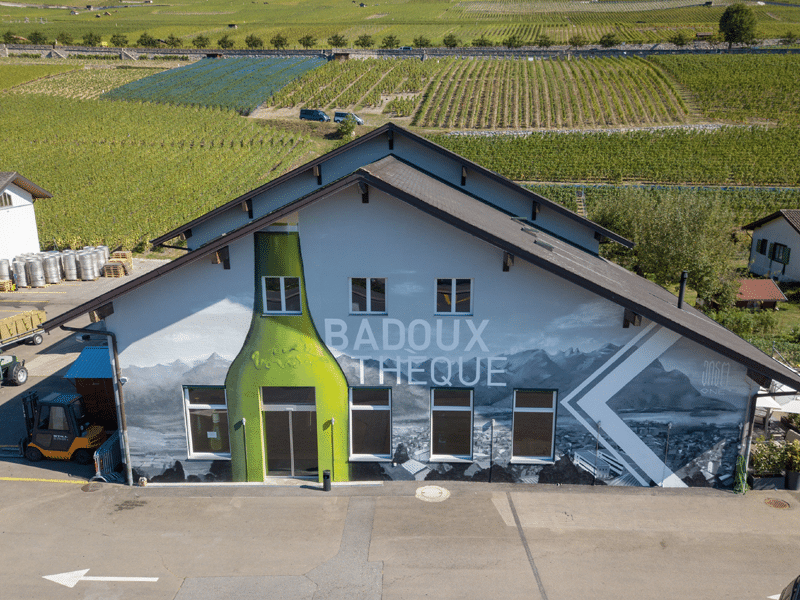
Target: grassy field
(633, 21)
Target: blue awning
(93, 363)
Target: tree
(253, 41)
(147, 41)
(65, 38)
(201, 41)
(337, 41)
(91, 39)
(364, 41)
(679, 38)
(513, 41)
(37, 37)
(451, 41)
(422, 42)
(482, 42)
(390, 42)
(280, 41)
(544, 41)
(577, 40)
(789, 38)
(119, 40)
(308, 41)
(173, 41)
(347, 127)
(737, 25)
(609, 40)
(674, 231)
(225, 42)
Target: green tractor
(12, 371)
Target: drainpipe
(684, 277)
(123, 423)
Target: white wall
(18, 232)
(778, 230)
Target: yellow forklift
(58, 428)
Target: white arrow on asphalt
(72, 578)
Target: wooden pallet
(6, 285)
(123, 257)
(114, 269)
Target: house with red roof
(759, 293)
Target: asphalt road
(291, 540)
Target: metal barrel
(20, 276)
(70, 264)
(5, 269)
(86, 263)
(52, 269)
(34, 269)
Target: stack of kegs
(43, 268)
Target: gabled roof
(791, 215)
(9, 177)
(388, 131)
(759, 290)
(519, 238)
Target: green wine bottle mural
(287, 396)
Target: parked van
(313, 114)
(338, 117)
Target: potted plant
(767, 461)
(792, 452)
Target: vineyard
(740, 88)
(86, 83)
(14, 75)
(238, 84)
(124, 173)
(725, 156)
(495, 20)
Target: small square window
(451, 424)
(281, 295)
(761, 246)
(206, 415)
(368, 295)
(453, 296)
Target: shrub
(253, 41)
(337, 41)
(789, 38)
(482, 42)
(422, 42)
(364, 41)
(173, 41)
(65, 38)
(279, 41)
(745, 322)
(307, 41)
(347, 127)
(513, 41)
(544, 41)
(37, 37)
(451, 41)
(609, 40)
(767, 457)
(225, 42)
(792, 451)
(390, 42)
(147, 41)
(91, 39)
(201, 41)
(577, 40)
(680, 39)
(119, 41)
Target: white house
(774, 236)
(391, 310)
(18, 232)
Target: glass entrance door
(290, 430)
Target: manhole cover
(432, 493)
(775, 503)
(92, 486)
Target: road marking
(82, 482)
(72, 578)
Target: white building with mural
(18, 233)
(392, 310)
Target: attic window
(5, 200)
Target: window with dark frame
(451, 424)
(780, 253)
(281, 295)
(761, 246)
(533, 429)
(368, 295)
(370, 423)
(453, 296)
(206, 414)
